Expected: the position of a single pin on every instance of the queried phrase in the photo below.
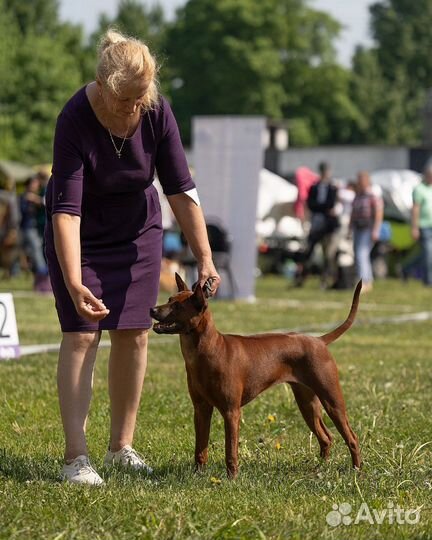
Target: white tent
(275, 209)
(397, 188)
(275, 199)
(273, 190)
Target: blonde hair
(123, 59)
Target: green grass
(386, 376)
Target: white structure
(345, 161)
(397, 190)
(9, 341)
(275, 209)
(228, 156)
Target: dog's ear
(181, 285)
(198, 297)
(207, 291)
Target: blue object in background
(172, 243)
(385, 232)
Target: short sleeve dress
(121, 228)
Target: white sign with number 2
(9, 341)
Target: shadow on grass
(268, 470)
(26, 469)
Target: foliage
(233, 67)
(259, 58)
(316, 88)
(46, 80)
(402, 31)
(325, 104)
(8, 47)
(391, 79)
(41, 71)
(388, 114)
(244, 57)
(34, 16)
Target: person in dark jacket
(322, 200)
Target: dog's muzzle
(161, 326)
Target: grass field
(284, 490)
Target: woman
(104, 239)
(366, 220)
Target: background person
(9, 228)
(345, 252)
(366, 220)
(104, 239)
(421, 222)
(322, 201)
(31, 204)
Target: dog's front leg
(202, 419)
(232, 427)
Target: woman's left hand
(207, 273)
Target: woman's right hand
(87, 305)
(415, 232)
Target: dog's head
(182, 312)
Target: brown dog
(227, 371)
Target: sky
(353, 14)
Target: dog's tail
(337, 332)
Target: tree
(318, 103)
(401, 29)
(329, 114)
(38, 76)
(390, 80)
(47, 78)
(35, 16)
(385, 107)
(8, 46)
(273, 58)
(233, 66)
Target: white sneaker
(127, 457)
(81, 472)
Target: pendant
(119, 155)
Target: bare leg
(75, 382)
(127, 367)
(311, 409)
(232, 427)
(202, 418)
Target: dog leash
(207, 287)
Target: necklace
(118, 151)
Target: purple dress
(121, 229)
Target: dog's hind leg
(311, 409)
(202, 419)
(329, 391)
(232, 427)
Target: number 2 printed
(3, 317)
